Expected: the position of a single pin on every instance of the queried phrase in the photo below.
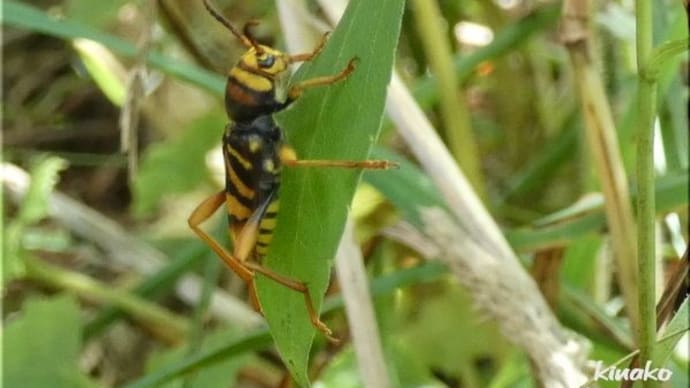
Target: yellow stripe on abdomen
(265, 238)
(237, 183)
(266, 227)
(241, 159)
(236, 209)
(273, 207)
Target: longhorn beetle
(254, 150)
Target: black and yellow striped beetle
(254, 151)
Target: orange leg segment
(238, 263)
(309, 56)
(366, 164)
(288, 157)
(299, 287)
(297, 89)
(201, 214)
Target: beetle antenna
(243, 38)
(247, 31)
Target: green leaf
(42, 346)
(514, 373)
(341, 121)
(101, 67)
(673, 333)
(432, 335)
(407, 187)
(580, 264)
(671, 193)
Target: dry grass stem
(602, 142)
(361, 319)
(505, 292)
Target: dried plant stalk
(504, 291)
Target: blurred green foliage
(39, 352)
(525, 114)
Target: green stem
(645, 181)
(169, 326)
(646, 219)
(454, 112)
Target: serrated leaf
(34, 207)
(44, 177)
(41, 347)
(341, 121)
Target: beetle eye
(266, 61)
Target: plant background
(523, 131)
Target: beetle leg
(201, 214)
(288, 158)
(366, 164)
(300, 287)
(309, 56)
(245, 240)
(296, 90)
(249, 233)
